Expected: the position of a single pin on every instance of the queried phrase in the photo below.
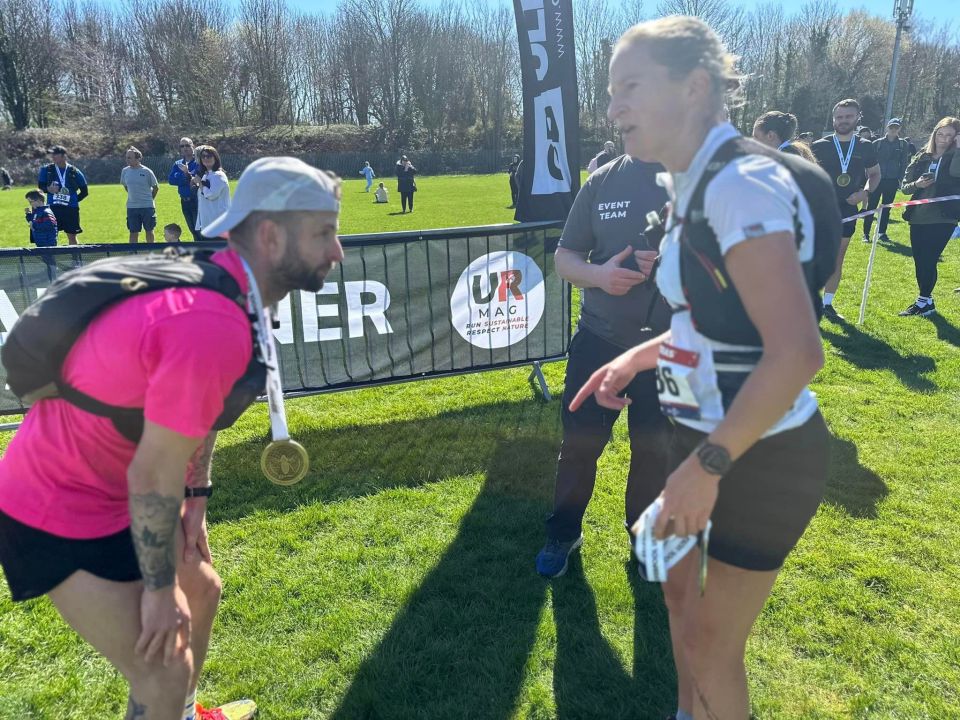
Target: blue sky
(942, 9)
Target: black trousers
(587, 431)
(406, 198)
(190, 207)
(884, 195)
(514, 191)
(928, 241)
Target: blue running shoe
(552, 561)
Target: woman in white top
(213, 188)
(749, 451)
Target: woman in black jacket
(406, 185)
(934, 172)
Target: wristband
(192, 492)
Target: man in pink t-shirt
(114, 531)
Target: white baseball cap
(656, 556)
(277, 184)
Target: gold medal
(285, 462)
(843, 179)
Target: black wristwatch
(192, 492)
(715, 459)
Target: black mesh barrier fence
(401, 306)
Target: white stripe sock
(190, 707)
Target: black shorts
(35, 562)
(145, 218)
(68, 219)
(769, 497)
(849, 228)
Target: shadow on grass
(588, 678)
(946, 331)
(362, 460)
(869, 353)
(897, 248)
(459, 647)
(850, 485)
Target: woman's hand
(688, 500)
(923, 182)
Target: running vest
(70, 176)
(714, 304)
(39, 342)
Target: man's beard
(295, 275)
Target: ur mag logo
(498, 300)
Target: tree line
(441, 78)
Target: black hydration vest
(40, 340)
(714, 304)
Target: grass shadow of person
(897, 248)
(946, 330)
(869, 353)
(850, 485)
(589, 680)
(359, 460)
(459, 646)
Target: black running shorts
(849, 228)
(35, 562)
(769, 496)
(68, 219)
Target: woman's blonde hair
(946, 122)
(681, 44)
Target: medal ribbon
(268, 352)
(62, 176)
(845, 161)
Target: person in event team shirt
(180, 176)
(602, 252)
(934, 172)
(852, 163)
(66, 187)
(777, 130)
(103, 526)
(749, 450)
(142, 187)
(893, 156)
(369, 174)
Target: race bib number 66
(675, 368)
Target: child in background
(380, 196)
(43, 223)
(369, 174)
(171, 233)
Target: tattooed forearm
(134, 709)
(198, 473)
(154, 521)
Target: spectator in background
(180, 176)
(608, 153)
(369, 174)
(406, 185)
(66, 187)
(913, 148)
(865, 133)
(213, 189)
(514, 185)
(171, 233)
(935, 172)
(6, 179)
(893, 155)
(380, 195)
(776, 129)
(43, 223)
(142, 187)
(805, 137)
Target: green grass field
(397, 581)
(440, 201)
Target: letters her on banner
(550, 176)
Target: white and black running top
(751, 197)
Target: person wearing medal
(66, 187)
(749, 447)
(852, 163)
(114, 531)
